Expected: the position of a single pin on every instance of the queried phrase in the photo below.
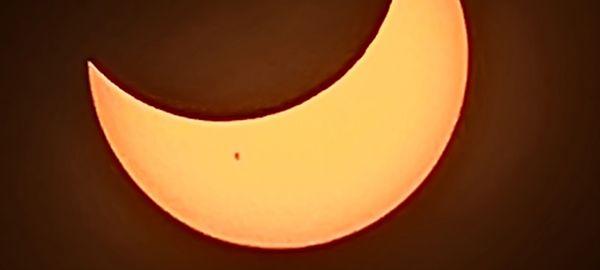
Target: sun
(318, 171)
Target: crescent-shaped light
(316, 172)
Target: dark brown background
(517, 187)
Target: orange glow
(318, 171)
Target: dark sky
(517, 187)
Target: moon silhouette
(320, 170)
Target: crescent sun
(318, 171)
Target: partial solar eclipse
(320, 170)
